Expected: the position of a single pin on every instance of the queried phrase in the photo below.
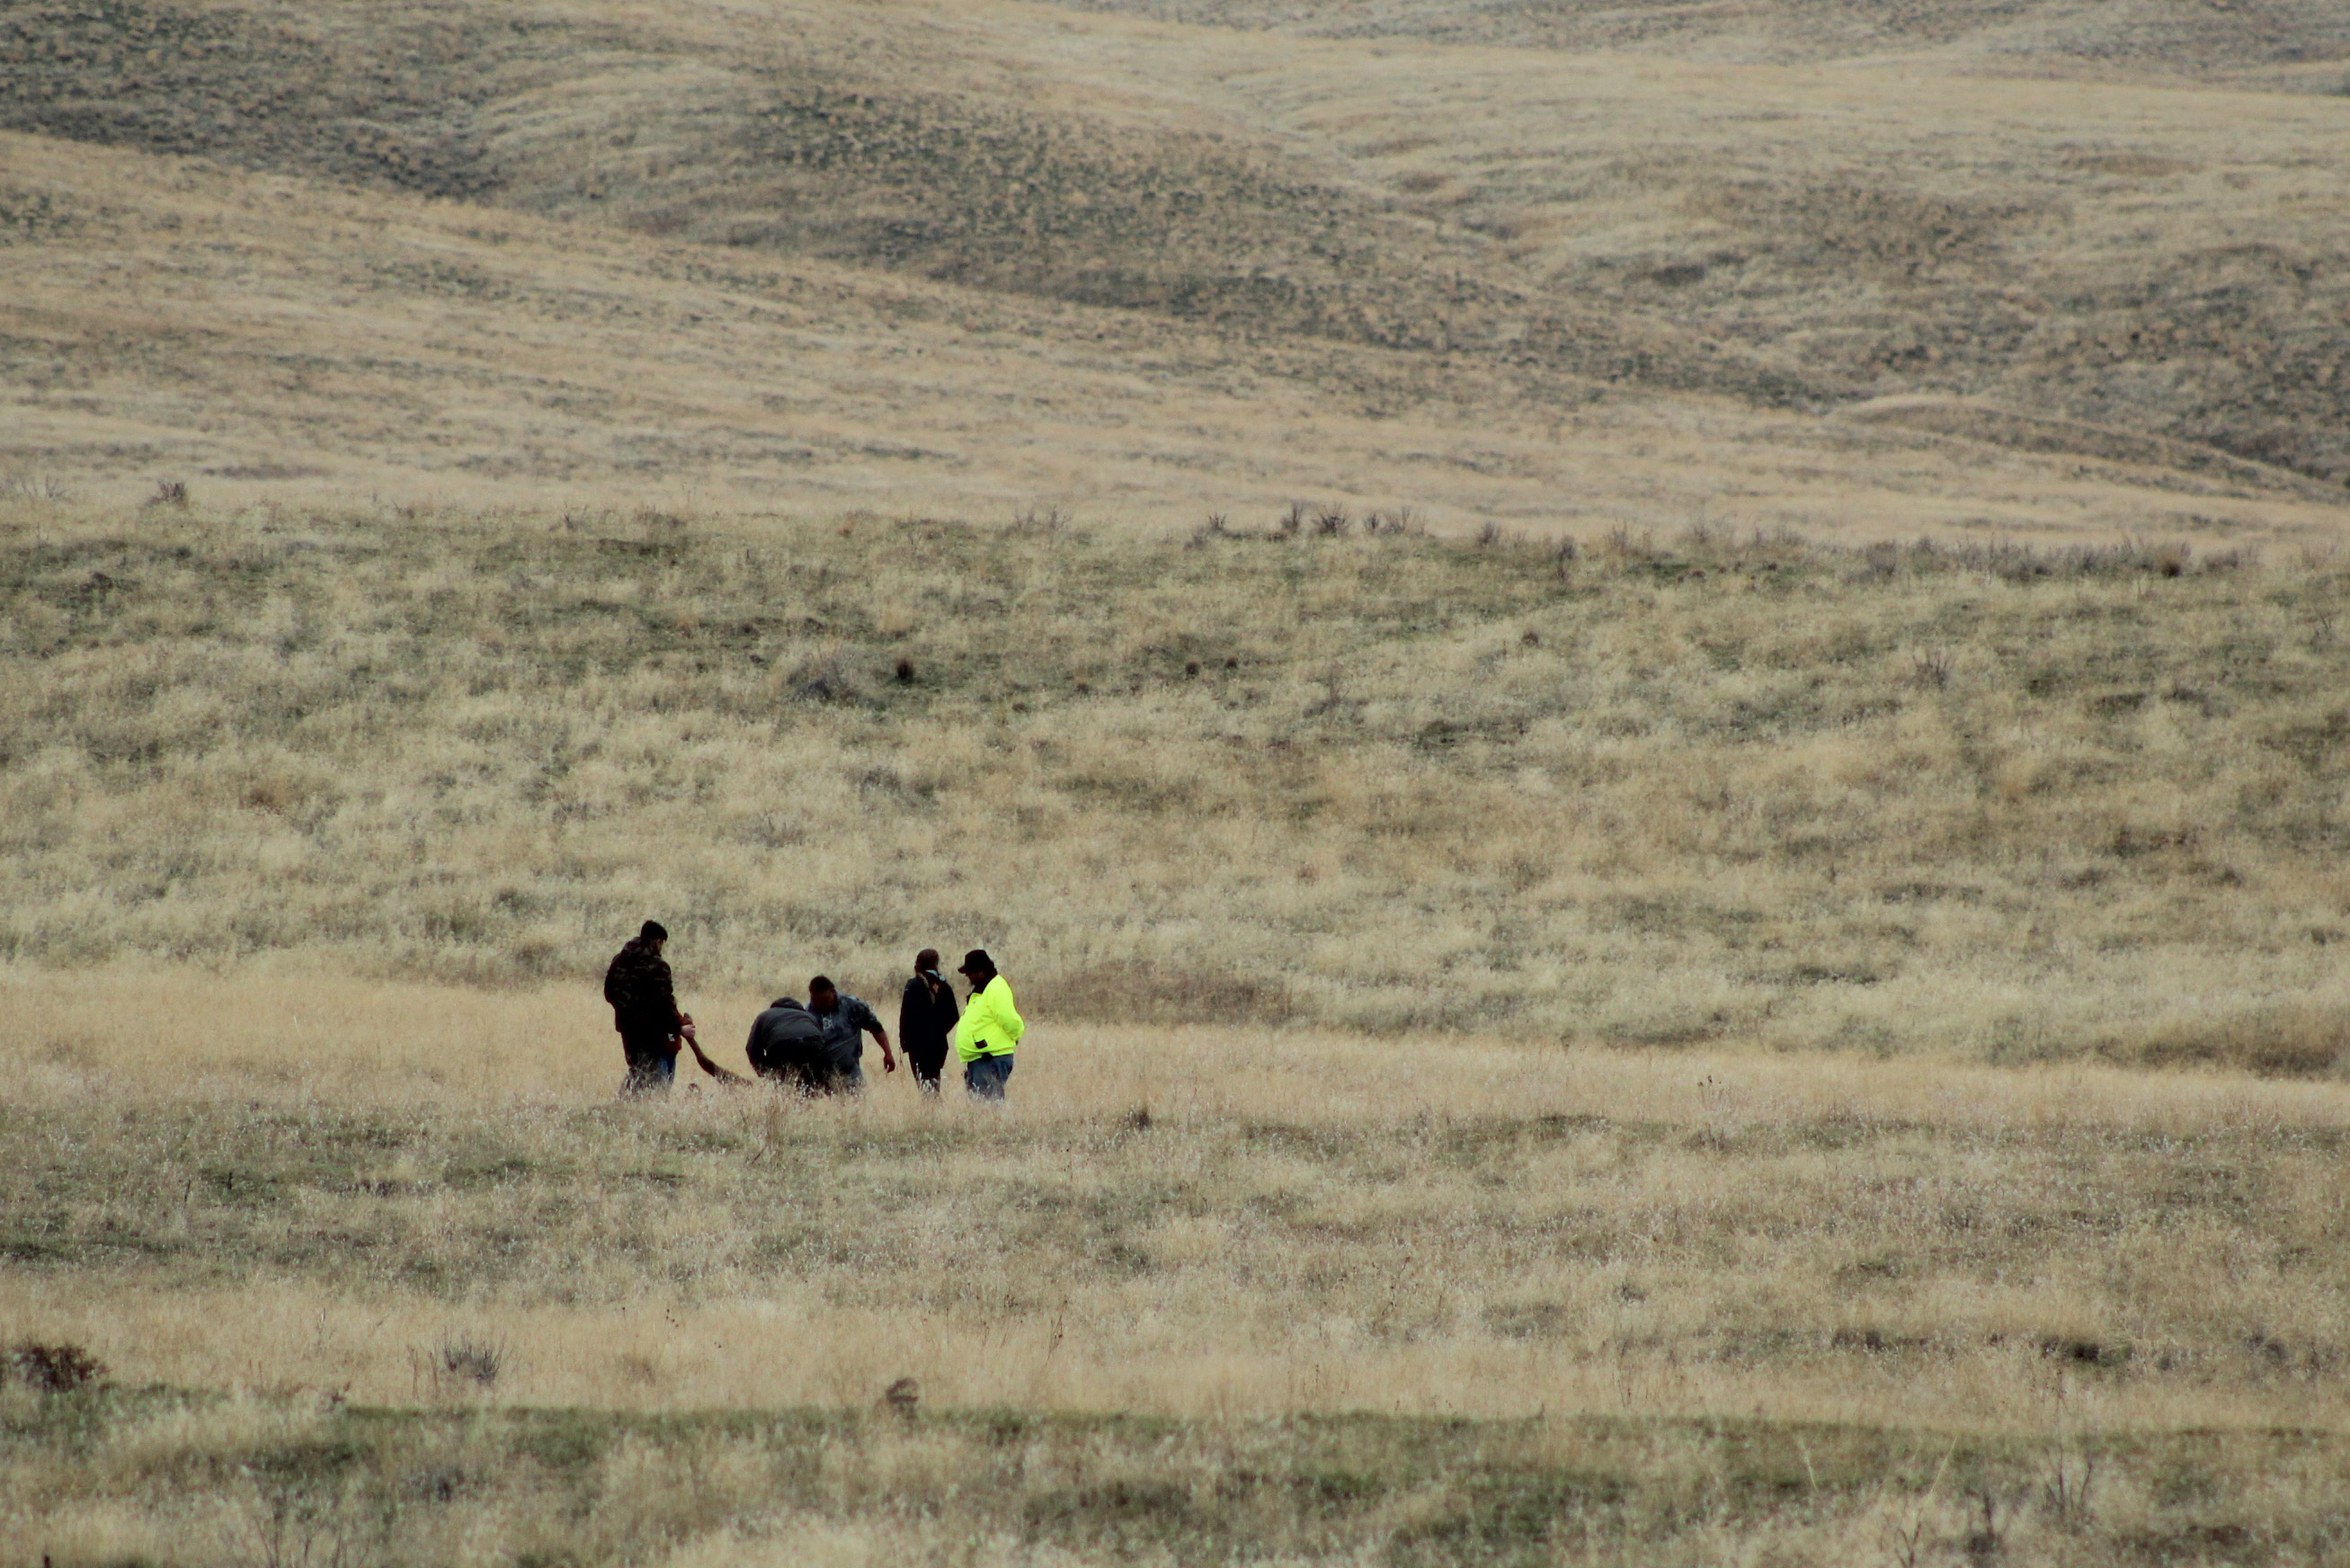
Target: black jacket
(787, 1043)
(644, 1003)
(926, 1024)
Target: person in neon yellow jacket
(990, 1028)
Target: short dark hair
(820, 983)
(653, 931)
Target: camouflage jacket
(644, 1003)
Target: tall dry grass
(383, 1271)
(1710, 788)
(237, 1481)
(1415, 934)
(266, 1183)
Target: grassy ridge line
(730, 129)
(117, 1475)
(339, 343)
(2020, 806)
(1659, 224)
(2305, 42)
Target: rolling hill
(1451, 259)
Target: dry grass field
(1771, 1035)
(1906, 799)
(1648, 698)
(413, 1284)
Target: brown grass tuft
(54, 1368)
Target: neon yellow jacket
(990, 1025)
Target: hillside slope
(265, 338)
(2300, 43)
(2140, 258)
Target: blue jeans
(984, 1076)
(650, 1075)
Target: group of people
(818, 1047)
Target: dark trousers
(653, 1065)
(986, 1077)
(927, 1062)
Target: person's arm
(1007, 1014)
(871, 1024)
(685, 1033)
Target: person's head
(977, 966)
(926, 963)
(823, 996)
(652, 933)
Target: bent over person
(990, 1030)
(787, 1046)
(644, 1010)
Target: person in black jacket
(644, 1010)
(786, 1047)
(926, 1019)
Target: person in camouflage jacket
(644, 1010)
